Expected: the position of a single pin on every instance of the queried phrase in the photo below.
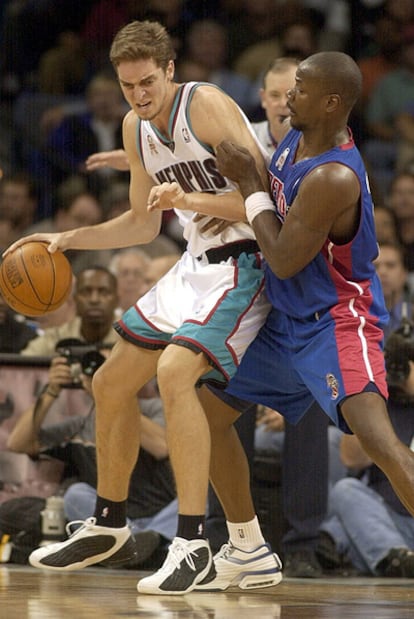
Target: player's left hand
(165, 197)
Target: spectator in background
(391, 97)
(386, 225)
(130, 267)
(368, 524)
(297, 41)
(401, 201)
(102, 21)
(270, 437)
(207, 45)
(29, 29)
(254, 21)
(278, 78)
(96, 299)
(391, 269)
(63, 69)
(18, 204)
(296, 38)
(98, 128)
(381, 58)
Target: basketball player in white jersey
(195, 324)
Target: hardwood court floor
(98, 593)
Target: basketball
(33, 281)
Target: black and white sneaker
(88, 545)
(187, 563)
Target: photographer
(95, 295)
(152, 508)
(367, 523)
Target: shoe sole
(247, 581)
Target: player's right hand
(54, 240)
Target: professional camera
(82, 358)
(399, 351)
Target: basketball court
(28, 593)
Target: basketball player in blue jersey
(194, 324)
(323, 338)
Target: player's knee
(101, 382)
(179, 368)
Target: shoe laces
(178, 551)
(225, 551)
(76, 526)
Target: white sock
(246, 535)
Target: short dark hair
(101, 269)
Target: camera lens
(91, 361)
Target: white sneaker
(246, 570)
(89, 544)
(187, 563)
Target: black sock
(191, 527)
(110, 513)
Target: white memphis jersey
(190, 163)
(264, 136)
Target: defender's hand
(237, 163)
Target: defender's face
(145, 86)
(304, 101)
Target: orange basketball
(33, 281)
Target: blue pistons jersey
(339, 274)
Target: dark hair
(338, 74)
(101, 269)
(399, 248)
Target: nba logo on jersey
(186, 135)
(152, 147)
(282, 158)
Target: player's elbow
(281, 269)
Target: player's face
(274, 95)
(304, 101)
(145, 86)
